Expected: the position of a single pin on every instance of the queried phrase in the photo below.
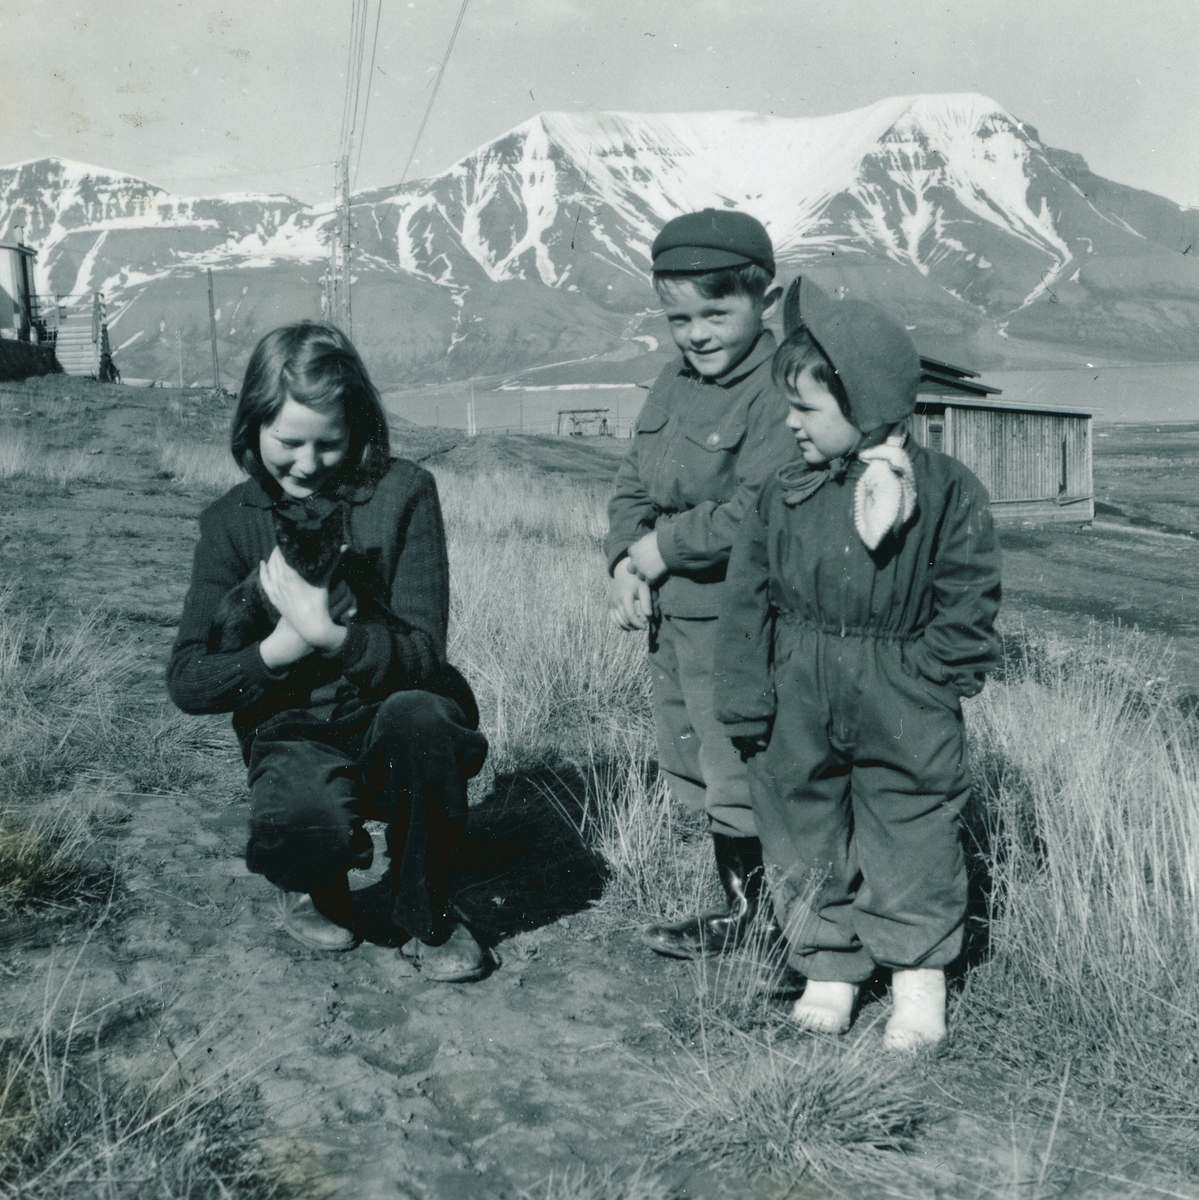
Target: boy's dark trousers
(316, 776)
(858, 798)
(694, 752)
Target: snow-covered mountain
(992, 246)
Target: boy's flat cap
(711, 240)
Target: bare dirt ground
(372, 1082)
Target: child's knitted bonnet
(872, 355)
(879, 368)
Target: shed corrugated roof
(959, 386)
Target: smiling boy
(710, 432)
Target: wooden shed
(1033, 459)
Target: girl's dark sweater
(398, 547)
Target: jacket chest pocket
(651, 418)
(723, 438)
(709, 457)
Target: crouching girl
(859, 610)
(343, 703)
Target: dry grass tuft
(741, 990)
(67, 712)
(658, 855)
(765, 1107)
(1086, 832)
(69, 731)
(607, 1183)
(60, 690)
(196, 465)
(529, 625)
(49, 857)
(22, 457)
(69, 1128)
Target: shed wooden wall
(1035, 465)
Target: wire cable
(362, 7)
(343, 135)
(436, 84)
(370, 83)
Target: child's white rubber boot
(918, 1018)
(826, 1006)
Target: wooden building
(1033, 459)
(25, 348)
(17, 296)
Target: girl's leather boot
(742, 874)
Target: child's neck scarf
(885, 495)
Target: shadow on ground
(522, 865)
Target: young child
(710, 432)
(345, 711)
(860, 608)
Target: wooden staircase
(77, 354)
(82, 346)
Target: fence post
(216, 370)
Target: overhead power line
(338, 280)
(436, 84)
(357, 44)
(370, 82)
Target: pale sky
(201, 98)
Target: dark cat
(311, 535)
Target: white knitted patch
(885, 497)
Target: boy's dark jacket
(702, 450)
(933, 588)
(401, 567)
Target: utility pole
(179, 353)
(344, 315)
(216, 370)
(330, 281)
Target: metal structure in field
(578, 422)
(1034, 460)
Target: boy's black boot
(739, 864)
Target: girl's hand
(629, 600)
(283, 646)
(303, 605)
(647, 558)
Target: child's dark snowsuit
(859, 659)
(380, 729)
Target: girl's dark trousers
(317, 774)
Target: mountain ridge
(990, 245)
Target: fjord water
(1141, 394)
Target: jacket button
(713, 438)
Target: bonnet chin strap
(885, 496)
